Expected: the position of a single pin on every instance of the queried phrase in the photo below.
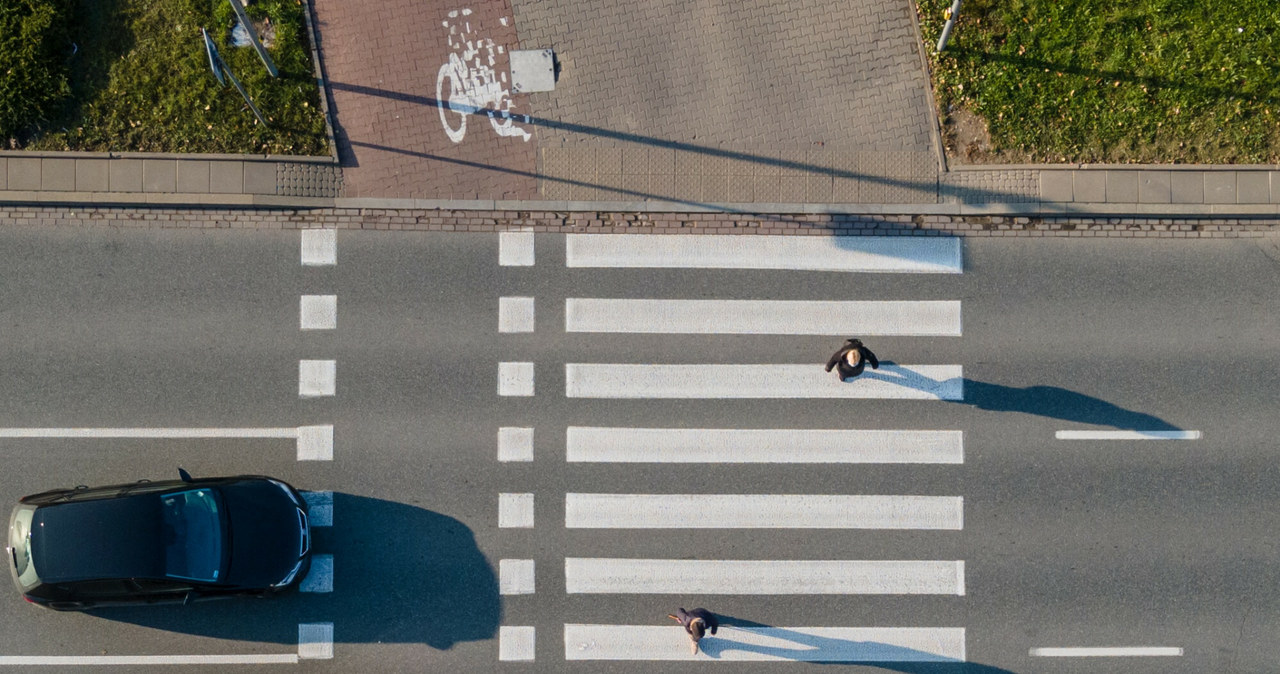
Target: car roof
(105, 538)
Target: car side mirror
(191, 596)
(186, 477)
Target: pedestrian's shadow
(814, 648)
(1046, 401)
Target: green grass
(141, 82)
(1150, 81)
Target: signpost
(253, 37)
(219, 67)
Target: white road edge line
(1107, 652)
(314, 443)
(1127, 435)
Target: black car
(172, 541)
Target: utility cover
(532, 70)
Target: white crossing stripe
(774, 445)
(319, 247)
(738, 644)
(515, 511)
(314, 443)
(315, 641)
(1127, 435)
(320, 578)
(763, 317)
(1107, 652)
(516, 576)
(761, 511)
(516, 643)
(515, 314)
(515, 443)
(318, 312)
(626, 380)
(596, 575)
(515, 379)
(814, 253)
(515, 249)
(319, 507)
(317, 378)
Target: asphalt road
(1064, 543)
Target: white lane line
(762, 511)
(628, 380)
(515, 379)
(739, 644)
(515, 576)
(814, 253)
(314, 443)
(515, 314)
(708, 576)
(318, 312)
(1127, 435)
(317, 378)
(515, 444)
(319, 507)
(516, 643)
(315, 641)
(1108, 652)
(774, 445)
(320, 578)
(762, 317)
(515, 249)
(319, 247)
(515, 511)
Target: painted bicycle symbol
(468, 85)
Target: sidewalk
(727, 106)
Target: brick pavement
(639, 223)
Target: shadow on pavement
(1045, 401)
(880, 655)
(402, 574)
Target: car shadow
(810, 648)
(402, 574)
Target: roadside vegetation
(133, 76)
(1092, 81)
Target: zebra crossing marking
(774, 445)
(763, 317)
(796, 644)
(937, 255)
(762, 511)
(594, 575)
(632, 380)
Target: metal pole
(951, 22)
(253, 37)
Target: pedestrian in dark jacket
(852, 359)
(697, 623)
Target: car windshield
(193, 536)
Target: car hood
(116, 538)
(266, 534)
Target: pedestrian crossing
(728, 508)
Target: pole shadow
(882, 655)
(1046, 401)
(402, 574)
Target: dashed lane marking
(314, 443)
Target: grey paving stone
(4, 173)
(91, 175)
(1122, 187)
(259, 177)
(24, 173)
(1187, 187)
(1056, 186)
(124, 175)
(57, 175)
(1091, 186)
(1253, 187)
(1153, 187)
(1275, 186)
(193, 176)
(159, 175)
(226, 177)
(1219, 187)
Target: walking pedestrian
(852, 359)
(697, 623)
